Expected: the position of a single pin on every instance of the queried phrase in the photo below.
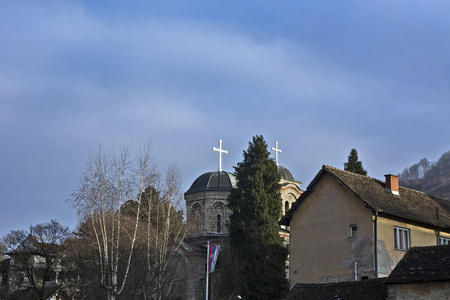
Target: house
(34, 268)
(348, 227)
(423, 273)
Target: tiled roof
(421, 264)
(409, 204)
(373, 289)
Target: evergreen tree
(353, 164)
(257, 255)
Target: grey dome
(284, 173)
(213, 181)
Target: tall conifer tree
(256, 249)
(353, 164)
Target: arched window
(201, 292)
(286, 207)
(218, 223)
(219, 212)
(197, 224)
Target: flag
(213, 253)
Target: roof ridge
(351, 173)
(400, 186)
(350, 180)
(347, 185)
(383, 181)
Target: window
(401, 238)
(219, 209)
(353, 230)
(444, 241)
(286, 207)
(218, 223)
(197, 219)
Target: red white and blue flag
(213, 253)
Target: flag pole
(207, 270)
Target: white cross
(220, 154)
(276, 152)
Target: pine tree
(353, 164)
(256, 249)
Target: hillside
(430, 177)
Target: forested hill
(430, 177)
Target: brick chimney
(392, 183)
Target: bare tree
(424, 167)
(3, 250)
(163, 228)
(169, 231)
(109, 180)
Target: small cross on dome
(220, 154)
(276, 152)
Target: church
(207, 214)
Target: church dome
(285, 173)
(213, 181)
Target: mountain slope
(429, 177)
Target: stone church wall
(203, 209)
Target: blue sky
(319, 77)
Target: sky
(318, 77)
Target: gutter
(375, 239)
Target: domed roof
(285, 173)
(213, 181)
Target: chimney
(392, 183)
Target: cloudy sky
(319, 77)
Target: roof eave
(286, 218)
(342, 183)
